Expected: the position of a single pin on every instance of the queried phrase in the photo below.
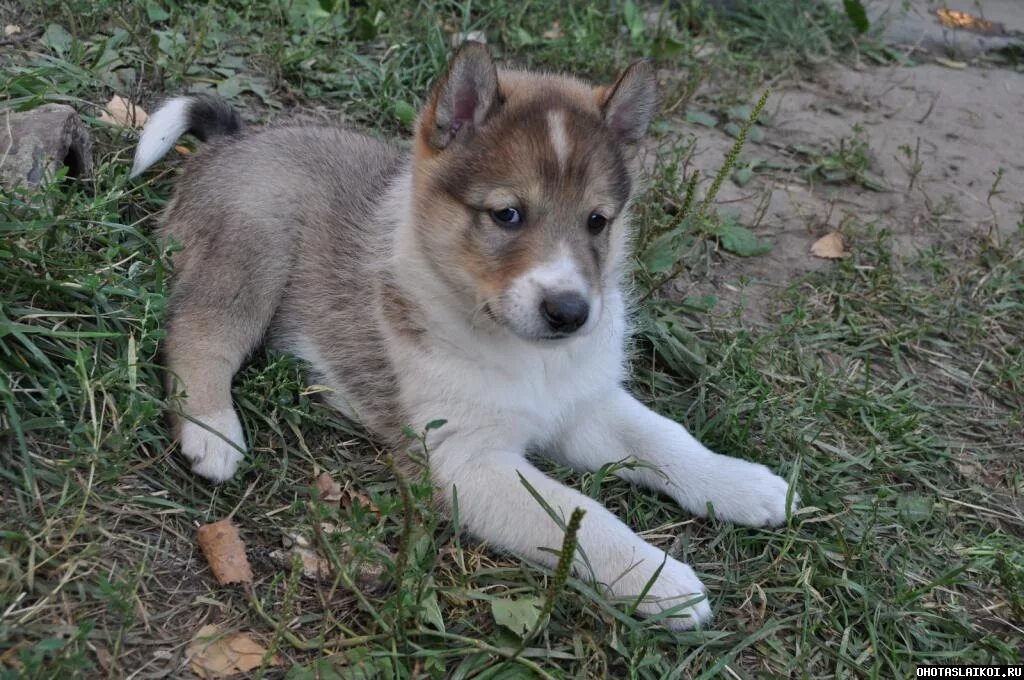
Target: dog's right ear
(463, 98)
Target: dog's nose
(564, 312)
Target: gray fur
(281, 240)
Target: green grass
(890, 390)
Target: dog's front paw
(215, 452)
(751, 494)
(677, 584)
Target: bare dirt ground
(940, 143)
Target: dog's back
(249, 197)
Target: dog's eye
(507, 217)
(596, 223)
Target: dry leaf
(103, 656)
(11, 29)
(951, 63)
(225, 552)
(352, 496)
(314, 567)
(327, 528)
(330, 490)
(553, 33)
(472, 36)
(212, 654)
(830, 246)
(120, 111)
(182, 149)
(957, 19)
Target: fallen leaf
(368, 574)
(57, 38)
(951, 63)
(182, 150)
(519, 616)
(830, 247)
(11, 29)
(295, 539)
(553, 33)
(120, 111)
(956, 19)
(103, 656)
(213, 654)
(471, 36)
(706, 51)
(327, 528)
(701, 118)
(225, 552)
(314, 567)
(739, 240)
(742, 176)
(351, 497)
(329, 490)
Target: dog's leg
(219, 312)
(672, 461)
(495, 505)
(201, 362)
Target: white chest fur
(494, 380)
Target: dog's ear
(628, 105)
(463, 98)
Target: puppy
(474, 278)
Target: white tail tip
(162, 130)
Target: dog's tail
(204, 116)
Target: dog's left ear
(463, 98)
(628, 106)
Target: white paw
(211, 456)
(677, 584)
(749, 493)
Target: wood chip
(225, 552)
(830, 247)
(951, 63)
(213, 654)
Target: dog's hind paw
(215, 452)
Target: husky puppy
(475, 278)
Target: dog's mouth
(540, 338)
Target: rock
(916, 24)
(35, 144)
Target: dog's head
(521, 185)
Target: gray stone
(35, 144)
(914, 23)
